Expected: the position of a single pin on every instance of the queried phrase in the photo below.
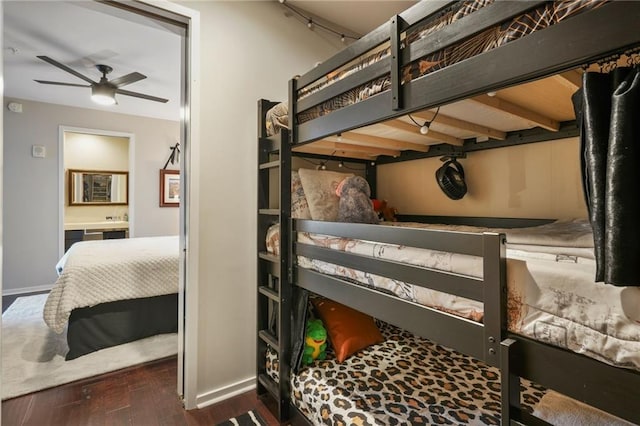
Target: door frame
(189, 19)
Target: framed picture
(169, 188)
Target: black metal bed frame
(577, 41)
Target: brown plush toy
(384, 211)
(355, 205)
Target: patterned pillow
(277, 118)
(299, 204)
(320, 190)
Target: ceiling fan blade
(66, 68)
(141, 95)
(59, 83)
(127, 79)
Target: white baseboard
(217, 395)
(25, 290)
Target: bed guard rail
(480, 340)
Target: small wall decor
(169, 188)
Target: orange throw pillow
(349, 330)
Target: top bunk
(464, 70)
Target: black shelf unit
(273, 283)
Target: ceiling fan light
(103, 95)
(103, 99)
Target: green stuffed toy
(315, 342)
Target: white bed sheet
(552, 294)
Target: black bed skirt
(114, 323)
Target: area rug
(33, 355)
(250, 418)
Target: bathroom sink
(105, 224)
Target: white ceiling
(359, 16)
(83, 34)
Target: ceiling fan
(103, 91)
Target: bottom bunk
(552, 298)
(407, 379)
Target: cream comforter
(94, 272)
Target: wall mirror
(98, 187)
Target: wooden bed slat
(312, 149)
(433, 135)
(371, 140)
(345, 146)
(518, 111)
(461, 124)
(571, 79)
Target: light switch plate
(38, 151)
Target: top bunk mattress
(552, 296)
(538, 18)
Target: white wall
(249, 50)
(30, 200)
(540, 180)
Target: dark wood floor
(143, 395)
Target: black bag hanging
(607, 108)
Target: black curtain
(608, 113)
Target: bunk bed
(111, 292)
(437, 57)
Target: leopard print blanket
(404, 380)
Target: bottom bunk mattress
(115, 323)
(550, 277)
(404, 380)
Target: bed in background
(111, 292)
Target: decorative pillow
(320, 190)
(349, 330)
(277, 118)
(299, 204)
(272, 239)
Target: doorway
(85, 155)
(186, 19)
